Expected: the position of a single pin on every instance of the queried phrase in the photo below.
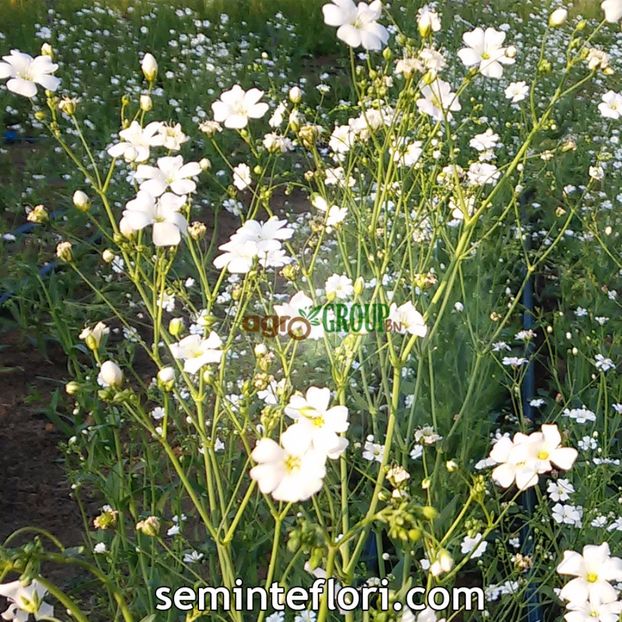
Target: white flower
(520, 460)
(442, 563)
(567, 514)
(517, 91)
(357, 25)
(594, 610)
(292, 471)
(339, 286)
(475, 544)
(242, 176)
(407, 319)
(545, 447)
(162, 213)
(593, 570)
(298, 304)
(193, 557)
(238, 257)
(24, 600)
(613, 10)
(25, 72)
(171, 137)
(514, 361)
(99, 548)
(559, 490)
(428, 21)
(110, 375)
(255, 240)
(236, 106)
(319, 423)
(172, 173)
(485, 50)
(603, 364)
(135, 142)
(438, 100)
(373, 451)
(197, 352)
(93, 336)
(611, 106)
(580, 415)
(482, 173)
(485, 141)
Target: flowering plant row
(221, 453)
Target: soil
(33, 488)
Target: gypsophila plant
(348, 380)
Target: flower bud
(38, 215)
(72, 388)
(557, 18)
(295, 95)
(110, 374)
(108, 256)
(359, 286)
(63, 251)
(46, 50)
(197, 230)
(205, 164)
(166, 378)
(81, 201)
(68, 105)
(149, 527)
(510, 51)
(146, 104)
(176, 326)
(149, 66)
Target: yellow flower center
(318, 422)
(292, 463)
(485, 56)
(543, 454)
(592, 577)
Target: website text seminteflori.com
(338, 598)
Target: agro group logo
(333, 317)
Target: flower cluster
(294, 469)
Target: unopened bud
(557, 18)
(63, 251)
(176, 326)
(146, 103)
(81, 201)
(149, 66)
(295, 95)
(149, 527)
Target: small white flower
(603, 364)
(24, 73)
(476, 544)
(171, 172)
(339, 286)
(593, 571)
(197, 352)
(242, 176)
(517, 91)
(485, 50)
(559, 490)
(236, 106)
(292, 471)
(406, 319)
(357, 25)
(611, 106)
(438, 100)
(99, 548)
